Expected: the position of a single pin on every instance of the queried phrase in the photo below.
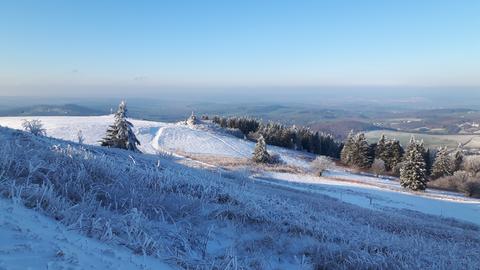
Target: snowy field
(215, 219)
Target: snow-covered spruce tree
(120, 134)
(381, 151)
(361, 157)
(413, 173)
(346, 154)
(394, 154)
(356, 151)
(260, 154)
(443, 165)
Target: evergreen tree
(413, 173)
(443, 164)
(346, 154)
(260, 154)
(394, 154)
(361, 150)
(429, 157)
(120, 134)
(356, 151)
(381, 150)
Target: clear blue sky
(239, 43)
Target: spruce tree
(346, 154)
(361, 157)
(394, 155)
(356, 151)
(443, 164)
(381, 149)
(429, 160)
(120, 134)
(260, 154)
(413, 173)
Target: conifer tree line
(415, 165)
(292, 137)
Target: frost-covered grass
(30, 240)
(202, 219)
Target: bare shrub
(80, 137)
(472, 165)
(321, 164)
(378, 167)
(34, 126)
(460, 181)
(471, 188)
(275, 159)
(396, 169)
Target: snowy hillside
(209, 140)
(222, 219)
(158, 136)
(29, 240)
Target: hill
(198, 216)
(51, 110)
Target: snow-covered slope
(93, 128)
(29, 240)
(197, 218)
(375, 193)
(203, 139)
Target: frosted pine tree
(395, 154)
(260, 154)
(361, 157)
(381, 148)
(413, 173)
(120, 134)
(443, 164)
(346, 154)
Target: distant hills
(52, 110)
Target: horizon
(55, 47)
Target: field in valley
(431, 141)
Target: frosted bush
(34, 126)
(321, 164)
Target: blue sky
(238, 43)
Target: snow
(93, 128)
(213, 218)
(156, 137)
(29, 240)
(375, 193)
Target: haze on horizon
(94, 48)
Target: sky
(90, 47)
